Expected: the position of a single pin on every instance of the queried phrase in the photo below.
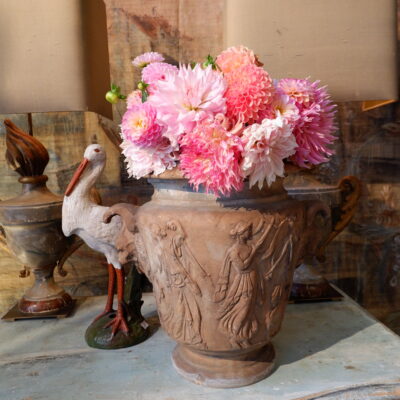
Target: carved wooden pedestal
(222, 270)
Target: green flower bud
(112, 97)
(142, 85)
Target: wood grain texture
(135, 27)
(182, 30)
(66, 136)
(201, 29)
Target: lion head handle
(128, 241)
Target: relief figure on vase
(239, 284)
(181, 269)
(158, 275)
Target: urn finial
(25, 154)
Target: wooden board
(66, 135)
(182, 30)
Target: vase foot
(15, 314)
(45, 304)
(227, 371)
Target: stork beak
(76, 176)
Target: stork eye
(97, 150)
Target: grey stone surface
(321, 347)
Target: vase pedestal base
(224, 371)
(15, 313)
(46, 304)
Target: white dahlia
(141, 161)
(266, 145)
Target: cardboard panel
(348, 45)
(48, 49)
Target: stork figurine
(84, 218)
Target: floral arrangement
(223, 121)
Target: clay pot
(222, 270)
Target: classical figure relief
(279, 298)
(239, 284)
(280, 248)
(284, 241)
(181, 269)
(248, 268)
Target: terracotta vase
(222, 270)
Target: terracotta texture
(222, 271)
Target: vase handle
(23, 273)
(128, 242)
(350, 189)
(75, 244)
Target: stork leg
(110, 292)
(119, 323)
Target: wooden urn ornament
(31, 229)
(83, 217)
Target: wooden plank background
(182, 30)
(364, 260)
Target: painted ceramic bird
(84, 218)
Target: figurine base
(99, 337)
(224, 371)
(15, 313)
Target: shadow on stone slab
(99, 337)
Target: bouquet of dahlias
(223, 121)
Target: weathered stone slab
(322, 348)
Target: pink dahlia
(266, 145)
(210, 156)
(316, 123)
(299, 90)
(141, 161)
(235, 57)
(188, 97)
(157, 71)
(147, 58)
(134, 98)
(281, 105)
(139, 125)
(249, 92)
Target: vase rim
(176, 174)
